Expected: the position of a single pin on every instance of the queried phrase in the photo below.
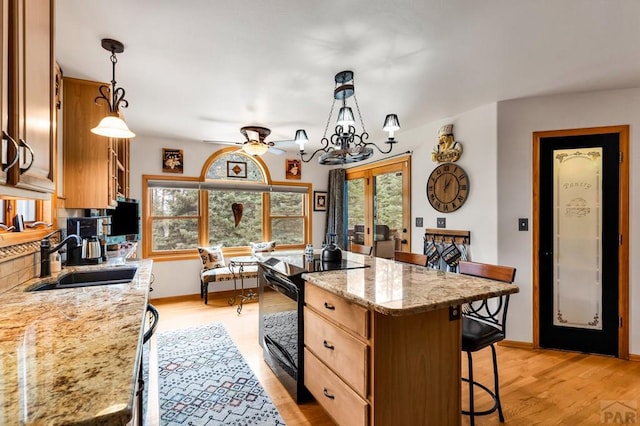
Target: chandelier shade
(112, 125)
(345, 145)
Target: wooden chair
(361, 248)
(413, 258)
(484, 324)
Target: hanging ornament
(237, 212)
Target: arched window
(234, 202)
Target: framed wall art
(172, 160)
(319, 201)
(293, 169)
(237, 169)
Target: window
(174, 218)
(233, 203)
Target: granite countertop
(394, 288)
(71, 356)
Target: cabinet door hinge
(620, 156)
(620, 239)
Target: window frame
(203, 209)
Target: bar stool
(484, 324)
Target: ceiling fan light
(255, 148)
(113, 126)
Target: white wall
(175, 278)
(517, 120)
(476, 131)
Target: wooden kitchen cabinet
(367, 368)
(27, 112)
(96, 168)
(32, 114)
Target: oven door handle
(281, 286)
(270, 342)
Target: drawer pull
(327, 394)
(328, 346)
(329, 306)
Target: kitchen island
(71, 356)
(383, 344)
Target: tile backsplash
(18, 263)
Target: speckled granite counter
(71, 356)
(393, 288)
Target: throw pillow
(212, 257)
(263, 247)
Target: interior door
(579, 242)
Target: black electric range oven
(281, 302)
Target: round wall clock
(447, 187)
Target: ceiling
(204, 68)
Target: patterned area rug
(204, 380)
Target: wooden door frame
(370, 170)
(623, 225)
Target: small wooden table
(236, 266)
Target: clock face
(447, 187)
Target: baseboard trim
(516, 344)
(634, 357)
(213, 295)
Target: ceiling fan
(255, 143)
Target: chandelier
(345, 145)
(112, 125)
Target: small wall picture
(294, 169)
(236, 169)
(319, 201)
(172, 160)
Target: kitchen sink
(87, 279)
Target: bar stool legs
(495, 395)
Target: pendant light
(112, 125)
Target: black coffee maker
(331, 253)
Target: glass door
(378, 206)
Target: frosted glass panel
(577, 277)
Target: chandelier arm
(104, 95)
(325, 148)
(388, 142)
(118, 99)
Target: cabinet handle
(33, 157)
(6, 167)
(327, 394)
(327, 345)
(329, 306)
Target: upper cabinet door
(6, 154)
(35, 79)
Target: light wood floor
(538, 387)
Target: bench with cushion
(214, 268)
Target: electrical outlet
(441, 222)
(523, 224)
(418, 222)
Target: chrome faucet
(46, 250)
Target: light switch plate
(523, 224)
(441, 222)
(418, 222)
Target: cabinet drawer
(347, 314)
(338, 399)
(345, 354)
